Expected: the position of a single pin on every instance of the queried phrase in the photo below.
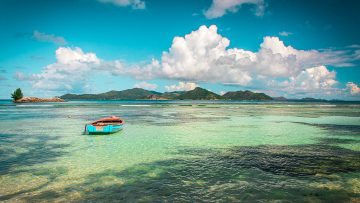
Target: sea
(181, 151)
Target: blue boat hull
(107, 129)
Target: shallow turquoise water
(181, 152)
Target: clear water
(181, 152)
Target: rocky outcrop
(35, 99)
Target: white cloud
(314, 79)
(75, 56)
(276, 59)
(202, 56)
(354, 89)
(313, 82)
(70, 71)
(146, 85)
(144, 71)
(135, 4)
(181, 86)
(48, 38)
(285, 34)
(219, 8)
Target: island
(246, 95)
(18, 97)
(141, 94)
(36, 99)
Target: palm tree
(17, 94)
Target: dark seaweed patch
(336, 129)
(302, 160)
(338, 141)
(242, 174)
(39, 150)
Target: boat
(105, 125)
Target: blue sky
(291, 48)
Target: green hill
(141, 94)
(130, 94)
(80, 97)
(172, 95)
(199, 94)
(246, 95)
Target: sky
(290, 48)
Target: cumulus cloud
(285, 34)
(39, 36)
(354, 88)
(204, 56)
(181, 86)
(276, 59)
(75, 56)
(135, 4)
(146, 85)
(219, 8)
(316, 79)
(70, 70)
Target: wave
(34, 105)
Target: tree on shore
(17, 94)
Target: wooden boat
(105, 126)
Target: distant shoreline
(196, 94)
(145, 101)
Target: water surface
(181, 152)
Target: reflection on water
(182, 152)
